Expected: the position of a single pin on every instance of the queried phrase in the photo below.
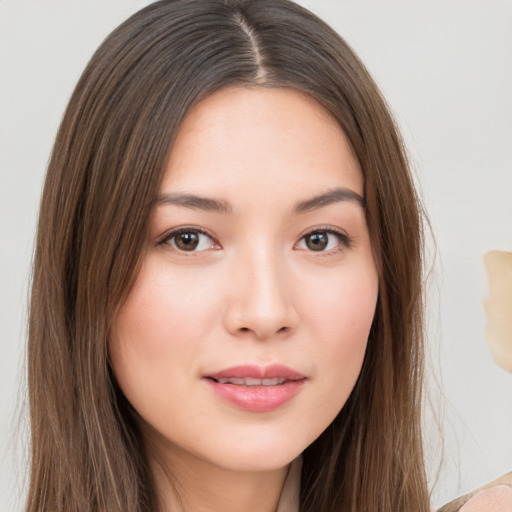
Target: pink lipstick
(255, 388)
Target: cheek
(170, 323)
(341, 306)
(158, 333)
(163, 314)
(340, 318)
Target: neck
(187, 484)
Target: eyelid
(345, 241)
(168, 235)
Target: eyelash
(345, 242)
(167, 238)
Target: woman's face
(247, 326)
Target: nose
(261, 304)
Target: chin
(260, 451)
(256, 460)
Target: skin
(253, 292)
(496, 499)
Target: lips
(249, 381)
(255, 388)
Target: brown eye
(317, 241)
(189, 240)
(324, 240)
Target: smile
(256, 389)
(249, 381)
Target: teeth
(249, 381)
(239, 382)
(273, 382)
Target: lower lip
(257, 398)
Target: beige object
(495, 499)
(498, 307)
(488, 498)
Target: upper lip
(257, 372)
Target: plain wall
(445, 67)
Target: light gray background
(445, 67)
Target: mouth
(250, 381)
(256, 389)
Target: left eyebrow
(332, 196)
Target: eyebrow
(332, 196)
(215, 205)
(195, 202)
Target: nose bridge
(261, 301)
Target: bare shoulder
(494, 499)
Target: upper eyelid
(345, 240)
(328, 229)
(184, 229)
(165, 241)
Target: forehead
(260, 137)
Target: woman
(227, 276)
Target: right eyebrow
(195, 202)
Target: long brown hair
(103, 177)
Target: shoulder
(493, 497)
